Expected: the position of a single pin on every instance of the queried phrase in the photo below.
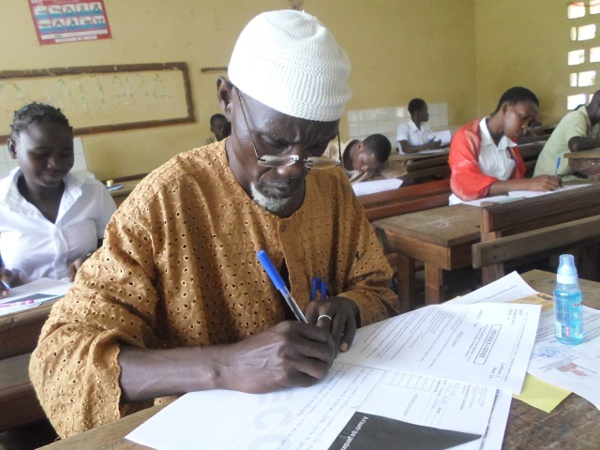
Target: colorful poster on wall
(59, 21)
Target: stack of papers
(437, 377)
(33, 294)
(573, 368)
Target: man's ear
(225, 95)
(12, 147)
(504, 107)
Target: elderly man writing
(175, 300)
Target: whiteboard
(102, 98)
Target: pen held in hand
(280, 285)
(557, 166)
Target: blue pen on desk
(280, 285)
(557, 166)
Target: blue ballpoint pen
(280, 285)
(557, 166)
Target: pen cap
(567, 272)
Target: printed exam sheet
(488, 344)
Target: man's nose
(293, 171)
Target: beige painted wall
(523, 43)
(399, 49)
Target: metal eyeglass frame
(310, 162)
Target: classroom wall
(523, 43)
(399, 49)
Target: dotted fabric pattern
(178, 268)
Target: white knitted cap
(290, 62)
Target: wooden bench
(406, 199)
(491, 255)
(534, 219)
(19, 405)
(430, 169)
(19, 333)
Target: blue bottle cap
(567, 272)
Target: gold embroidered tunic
(178, 268)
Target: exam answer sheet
(488, 344)
(353, 405)
(432, 372)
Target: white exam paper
(312, 417)
(488, 344)
(372, 187)
(47, 288)
(445, 136)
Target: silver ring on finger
(324, 316)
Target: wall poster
(59, 21)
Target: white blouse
(34, 247)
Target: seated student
(484, 159)
(576, 131)
(176, 300)
(220, 127)
(414, 135)
(50, 219)
(364, 159)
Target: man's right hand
(286, 355)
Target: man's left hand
(339, 315)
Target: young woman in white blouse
(50, 219)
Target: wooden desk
(19, 332)
(418, 155)
(573, 424)
(121, 194)
(440, 237)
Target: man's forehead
(276, 124)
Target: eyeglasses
(310, 162)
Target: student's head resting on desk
(370, 154)
(278, 108)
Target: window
(585, 51)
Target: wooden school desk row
(442, 238)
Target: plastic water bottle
(568, 303)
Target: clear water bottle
(568, 303)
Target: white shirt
(34, 247)
(494, 160)
(409, 132)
